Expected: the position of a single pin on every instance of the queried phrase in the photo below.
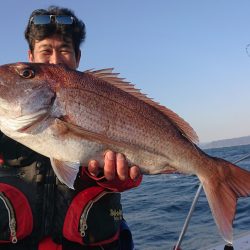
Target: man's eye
(65, 51)
(45, 52)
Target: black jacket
(32, 174)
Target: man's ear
(30, 56)
(78, 58)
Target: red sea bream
(72, 117)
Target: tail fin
(222, 189)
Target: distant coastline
(245, 140)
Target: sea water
(157, 209)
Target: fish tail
(223, 188)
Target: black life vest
(29, 185)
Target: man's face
(54, 50)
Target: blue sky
(188, 55)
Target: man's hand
(114, 164)
(115, 176)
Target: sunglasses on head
(47, 19)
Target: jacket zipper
(12, 219)
(84, 216)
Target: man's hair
(76, 31)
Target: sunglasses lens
(64, 19)
(41, 19)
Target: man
(36, 210)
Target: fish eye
(27, 73)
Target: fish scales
(126, 126)
(129, 125)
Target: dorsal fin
(112, 78)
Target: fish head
(26, 93)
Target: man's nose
(55, 58)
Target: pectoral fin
(66, 172)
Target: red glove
(115, 185)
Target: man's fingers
(110, 165)
(121, 167)
(114, 164)
(134, 173)
(94, 168)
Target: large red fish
(73, 117)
